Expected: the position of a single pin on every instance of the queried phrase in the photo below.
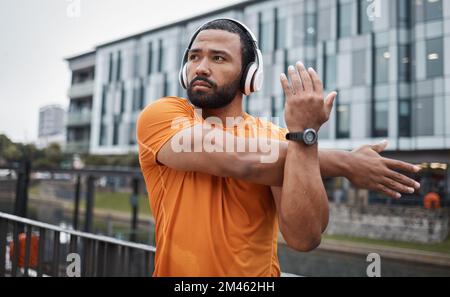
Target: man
(218, 209)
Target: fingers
(285, 84)
(388, 192)
(400, 165)
(397, 187)
(297, 86)
(317, 83)
(329, 101)
(305, 77)
(409, 182)
(380, 147)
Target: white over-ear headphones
(252, 77)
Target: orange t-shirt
(205, 225)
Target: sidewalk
(401, 254)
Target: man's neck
(232, 110)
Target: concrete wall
(398, 223)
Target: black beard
(216, 97)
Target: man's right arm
(209, 151)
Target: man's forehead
(227, 40)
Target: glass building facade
(388, 60)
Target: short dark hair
(247, 51)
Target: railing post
(23, 180)
(77, 202)
(89, 204)
(3, 243)
(134, 208)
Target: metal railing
(87, 176)
(31, 248)
(79, 118)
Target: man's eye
(192, 57)
(219, 58)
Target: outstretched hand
(371, 171)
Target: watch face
(310, 136)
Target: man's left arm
(364, 167)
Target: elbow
(302, 241)
(306, 245)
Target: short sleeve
(158, 123)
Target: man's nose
(202, 68)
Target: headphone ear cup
(183, 77)
(247, 78)
(257, 82)
(180, 77)
(259, 75)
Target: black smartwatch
(308, 137)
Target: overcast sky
(36, 36)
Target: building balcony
(79, 118)
(81, 90)
(80, 147)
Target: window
(381, 66)
(433, 10)
(247, 103)
(381, 118)
(77, 135)
(110, 73)
(141, 95)
(277, 109)
(280, 31)
(310, 29)
(404, 118)
(116, 133)
(136, 65)
(359, 68)
(132, 133)
(364, 24)
(343, 120)
(404, 63)
(104, 99)
(264, 34)
(119, 66)
(122, 99)
(428, 10)
(324, 26)
(423, 117)
(162, 57)
(82, 76)
(102, 141)
(404, 13)
(273, 106)
(330, 72)
(311, 63)
(150, 58)
(435, 56)
(413, 62)
(345, 20)
(136, 99)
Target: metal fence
(31, 248)
(77, 185)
